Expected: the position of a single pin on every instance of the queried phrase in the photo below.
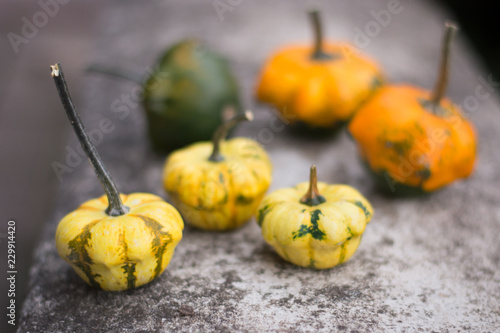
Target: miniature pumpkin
(318, 85)
(314, 230)
(189, 82)
(413, 139)
(115, 242)
(218, 185)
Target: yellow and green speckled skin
(120, 252)
(320, 236)
(218, 195)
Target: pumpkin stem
(442, 80)
(116, 72)
(318, 53)
(222, 130)
(116, 206)
(312, 197)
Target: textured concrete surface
(424, 264)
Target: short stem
(221, 133)
(116, 206)
(318, 53)
(312, 197)
(442, 80)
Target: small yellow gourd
(314, 230)
(218, 185)
(115, 242)
(120, 252)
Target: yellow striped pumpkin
(120, 252)
(314, 230)
(117, 241)
(218, 195)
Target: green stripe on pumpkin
(313, 229)
(242, 200)
(312, 263)
(365, 210)
(262, 214)
(343, 251)
(128, 267)
(159, 244)
(79, 255)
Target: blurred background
(34, 130)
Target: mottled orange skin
(398, 135)
(319, 93)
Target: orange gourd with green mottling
(218, 185)
(320, 229)
(321, 85)
(115, 242)
(413, 139)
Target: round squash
(319, 229)
(321, 85)
(190, 83)
(415, 141)
(218, 185)
(120, 252)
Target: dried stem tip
(442, 80)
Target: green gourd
(184, 95)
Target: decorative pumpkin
(314, 230)
(115, 242)
(189, 82)
(414, 140)
(218, 185)
(318, 85)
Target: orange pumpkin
(412, 138)
(321, 84)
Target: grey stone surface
(425, 264)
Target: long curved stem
(221, 133)
(442, 80)
(116, 72)
(312, 197)
(116, 206)
(318, 53)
